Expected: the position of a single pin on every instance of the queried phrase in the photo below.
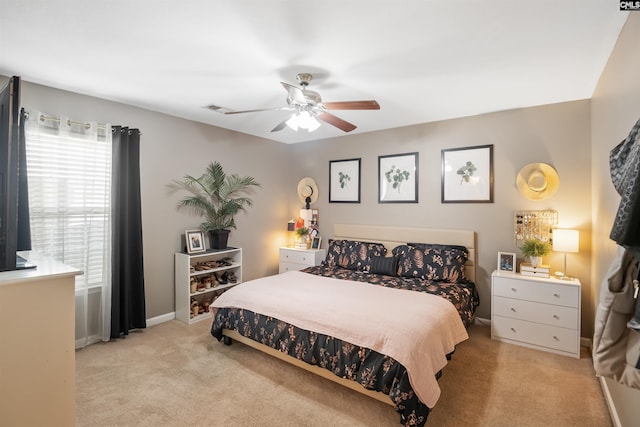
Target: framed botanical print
(467, 175)
(344, 181)
(398, 178)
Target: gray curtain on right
(127, 277)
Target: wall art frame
(195, 241)
(467, 175)
(344, 181)
(398, 178)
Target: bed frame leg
(226, 340)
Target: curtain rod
(86, 125)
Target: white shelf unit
(183, 276)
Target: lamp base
(563, 276)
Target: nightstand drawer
(553, 315)
(537, 334)
(547, 293)
(298, 257)
(290, 266)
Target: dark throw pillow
(384, 265)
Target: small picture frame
(195, 241)
(315, 242)
(506, 262)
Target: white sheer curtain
(69, 170)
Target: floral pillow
(353, 254)
(433, 262)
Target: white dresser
(296, 259)
(540, 313)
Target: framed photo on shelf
(506, 262)
(195, 241)
(398, 178)
(315, 242)
(467, 175)
(344, 181)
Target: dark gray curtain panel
(127, 293)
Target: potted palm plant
(535, 249)
(217, 198)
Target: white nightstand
(297, 259)
(540, 313)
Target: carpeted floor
(177, 375)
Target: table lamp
(565, 241)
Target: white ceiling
(422, 60)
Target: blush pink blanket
(415, 328)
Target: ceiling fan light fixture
(293, 122)
(308, 121)
(303, 120)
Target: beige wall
(555, 134)
(615, 108)
(170, 148)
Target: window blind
(69, 172)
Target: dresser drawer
(298, 257)
(547, 293)
(522, 331)
(290, 266)
(548, 314)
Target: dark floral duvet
(371, 369)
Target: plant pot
(218, 238)
(535, 261)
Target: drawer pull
(514, 290)
(513, 309)
(513, 330)
(555, 316)
(304, 259)
(556, 295)
(556, 338)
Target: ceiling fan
(308, 108)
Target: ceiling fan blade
(280, 126)
(352, 105)
(256, 110)
(295, 93)
(336, 121)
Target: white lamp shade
(566, 240)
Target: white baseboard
(585, 342)
(612, 407)
(161, 319)
(482, 321)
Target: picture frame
(467, 175)
(195, 241)
(315, 242)
(398, 178)
(506, 262)
(344, 181)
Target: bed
(382, 314)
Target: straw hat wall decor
(537, 181)
(307, 191)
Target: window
(69, 172)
